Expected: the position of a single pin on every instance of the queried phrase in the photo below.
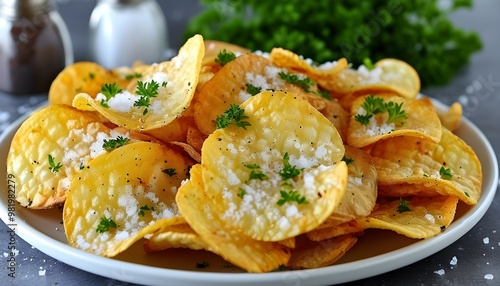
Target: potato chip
(237, 80)
(388, 75)
(314, 254)
(452, 117)
(391, 116)
(163, 95)
(324, 73)
(213, 48)
(122, 196)
(279, 176)
(175, 236)
(347, 228)
(52, 145)
(228, 242)
(361, 192)
(451, 167)
(79, 77)
(334, 112)
(414, 217)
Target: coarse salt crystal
(486, 240)
(41, 272)
(489, 276)
(454, 261)
(439, 272)
(430, 218)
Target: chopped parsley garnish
(467, 194)
(110, 90)
(403, 206)
(304, 82)
(375, 105)
(112, 144)
(170, 171)
(323, 93)
(81, 167)
(147, 91)
(252, 90)
(289, 171)
(91, 75)
(105, 224)
(368, 63)
(255, 172)
(291, 196)
(224, 57)
(133, 75)
(347, 160)
(242, 193)
(143, 209)
(445, 173)
(234, 114)
(426, 175)
(52, 164)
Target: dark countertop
(479, 82)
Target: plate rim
(351, 271)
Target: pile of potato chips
(268, 160)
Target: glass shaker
(125, 31)
(34, 45)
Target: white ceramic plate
(375, 253)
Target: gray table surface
(479, 82)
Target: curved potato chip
(49, 148)
(122, 196)
(228, 242)
(324, 73)
(213, 48)
(450, 167)
(420, 120)
(346, 228)
(334, 112)
(284, 133)
(388, 75)
(79, 77)
(175, 236)
(452, 117)
(176, 79)
(422, 217)
(361, 192)
(314, 254)
(229, 86)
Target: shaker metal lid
(24, 8)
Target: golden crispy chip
(388, 75)
(347, 228)
(229, 86)
(414, 217)
(213, 48)
(451, 167)
(175, 236)
(134, 195)
(60, 132)
(420, 120)
(324, 73)
(176, 80)
(334, 112)
(228, 242)
(79, 77)
(361, 192)
(246, 171)
(314, 254)
(405, 189)
(452, 117)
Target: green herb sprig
(291, 196)
(112, 144)
(105, 224)
(53, 166)
(224, 57)
(234, 114)
(147, 91)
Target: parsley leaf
(53, 166)
(143, 209)
(367, 62)
(291, 196)
(109, 91)
(105, 224)
(324, 94)
(252, 90)
(112, 144)
(347, 160)
(133, 75)
(171, 172)
(376, 105)
(396, 114)
(255, 172)
(242, 193)
(403, 206)
(224, 57)
(289, 171)
(304, 82)
(445, 173)
(147, 91)
(234, 114)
